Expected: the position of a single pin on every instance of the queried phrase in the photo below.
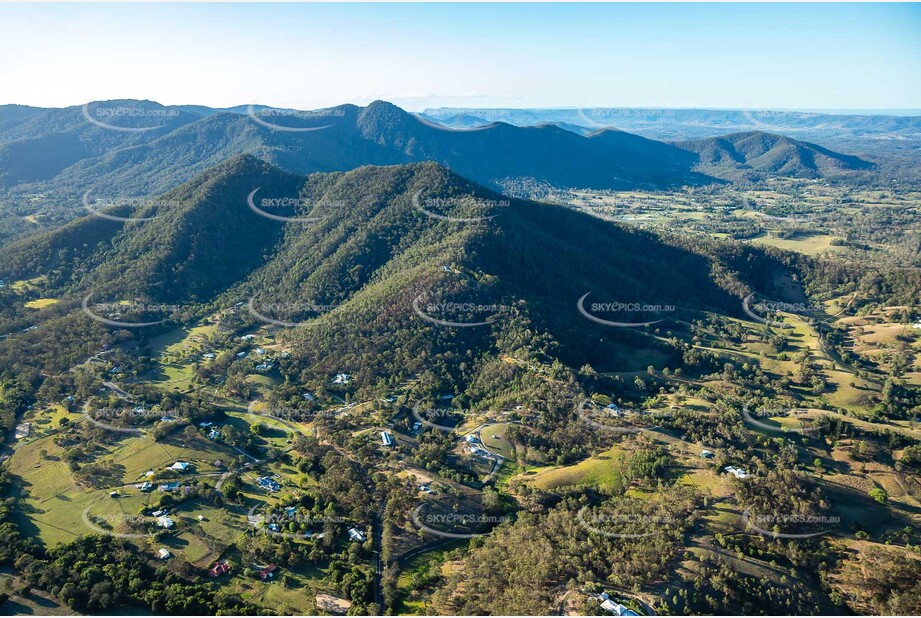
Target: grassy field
(41, 303)
(600, 471)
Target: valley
(393, 388)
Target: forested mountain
(371, 244)
(758, 154)
(161, 147)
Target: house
(260, 352)
(113, 494)
(614, 608)
(706, 454)
(208, 355)
(268, 483)
(219, 569)
(214, 435)
(159, 513)
(168, 487)
(145, 486)
(309, 397)
(180, 466)
(164, 553)
(386, 438)
(290, 512)
(342, 378)
(248, 337)
(470, 438)
(241, 354)
(417, 427)
(357, 535)
(165, 522)
(267, 572)
(166, 419)
(205, 424)
(274, 527)
(425, 489)
(263, 367)
(739, 473)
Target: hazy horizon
(522, 56)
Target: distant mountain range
(685, 124)
(154, 148)
(141, 148)
(756, 154)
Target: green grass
(41, 303)
(600, 471)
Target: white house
(386, 438)
(739, 473)
(164, 553)
(165, 522)
(180, 466)
(357, 535)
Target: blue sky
(782, 56)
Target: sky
(305, 56)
